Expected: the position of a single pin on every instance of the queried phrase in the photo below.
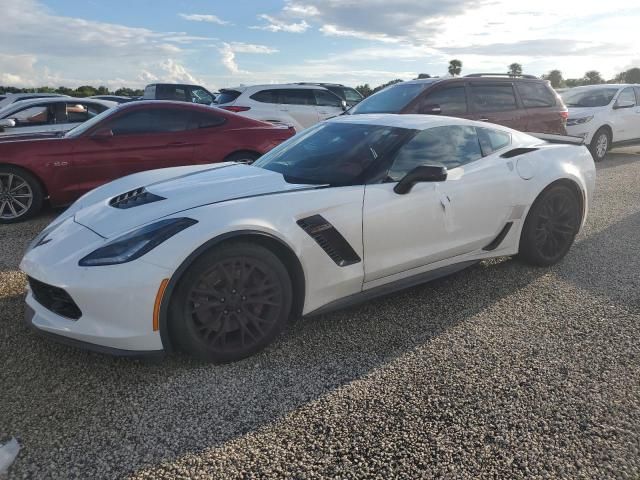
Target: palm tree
(455, 67)
(515, 69)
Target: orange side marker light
(156, 306)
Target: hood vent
(134, 198)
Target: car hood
(578, 112)
(181, 189)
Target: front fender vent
(518, 151)
(134, 198)
(330, 240)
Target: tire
(242, 157)
(550, 227)
(600, 144)
(231, 303)
(21, 195)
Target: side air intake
(518, 151)
(134, 198)
(330, 240)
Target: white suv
(298, 106)
(605, 116)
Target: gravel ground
(500, 371)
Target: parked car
(113, 98)
(129, 138)
(21, 97)
(49, 115)
(178, 92)
(348, 94)
(523, 103)
(605, 116)
(214, 261)
(299, 106)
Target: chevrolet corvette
(214, 260)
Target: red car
(130, 138)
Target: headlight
(137, 243)
(578, 121)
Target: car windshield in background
(227, 96)
(390, 100)
(332, 153)
(83, 127)
(589, 97)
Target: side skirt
(392, 287)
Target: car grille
(134, 198)
(55, 299)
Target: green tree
(455, 67)
(593, 77)
(365, 90)
(632, 75)
(385, 85)
(515, 69)
(555, 77)
(102, 90)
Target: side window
(171, 119)
(451, 100)
(492, 140)
(171, 92)
(30, 116)
(626, 96)
(327, 99)
(201, 96)
(265, 96)
(298, 96)
(535, 94)
(205, 120)
(450, 146)
(157, 120)
(493, 98)
(76, 113)
(133, 123)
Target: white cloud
(333, 31)
(228, 54)
(276, 25)
(197, 17)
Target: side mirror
(624, 104)
(102, 133)
(423, 173)
(344, 105)
(7, 123)
(433, 109)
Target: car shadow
(618, 159)
(94, 401)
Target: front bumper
(116, 302)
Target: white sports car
(215, 259)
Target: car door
(329, 105)
(142, 139)
(31, 119)
(496, 102)
(300, 104)
(625, 116)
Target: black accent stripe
(330, 240)
(518, 151)
(498, 240)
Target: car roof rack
(509, 75)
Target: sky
(222, 43)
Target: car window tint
(351, 94)
(171, 92)
(76, 113)
(535, 94)
(299, 96)
(36, 115)
(265, 96)
(201, 96)
(227, 96)
(389, 100)
(493, 98)
(626, 96)
(492, 140)
(157, 120)
(452, 100)
(206, 120)
(327, 99)
(450, 146)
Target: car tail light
(236, 109)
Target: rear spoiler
(551, 138)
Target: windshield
(332, 153)
(83, 127)
(390, 100)
(589, 97)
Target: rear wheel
(21, 195)
(600, 144)
(551, 226)
(231, 303)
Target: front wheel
(231, 303)
(21, 195)
(550, 227)
(600, 144)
